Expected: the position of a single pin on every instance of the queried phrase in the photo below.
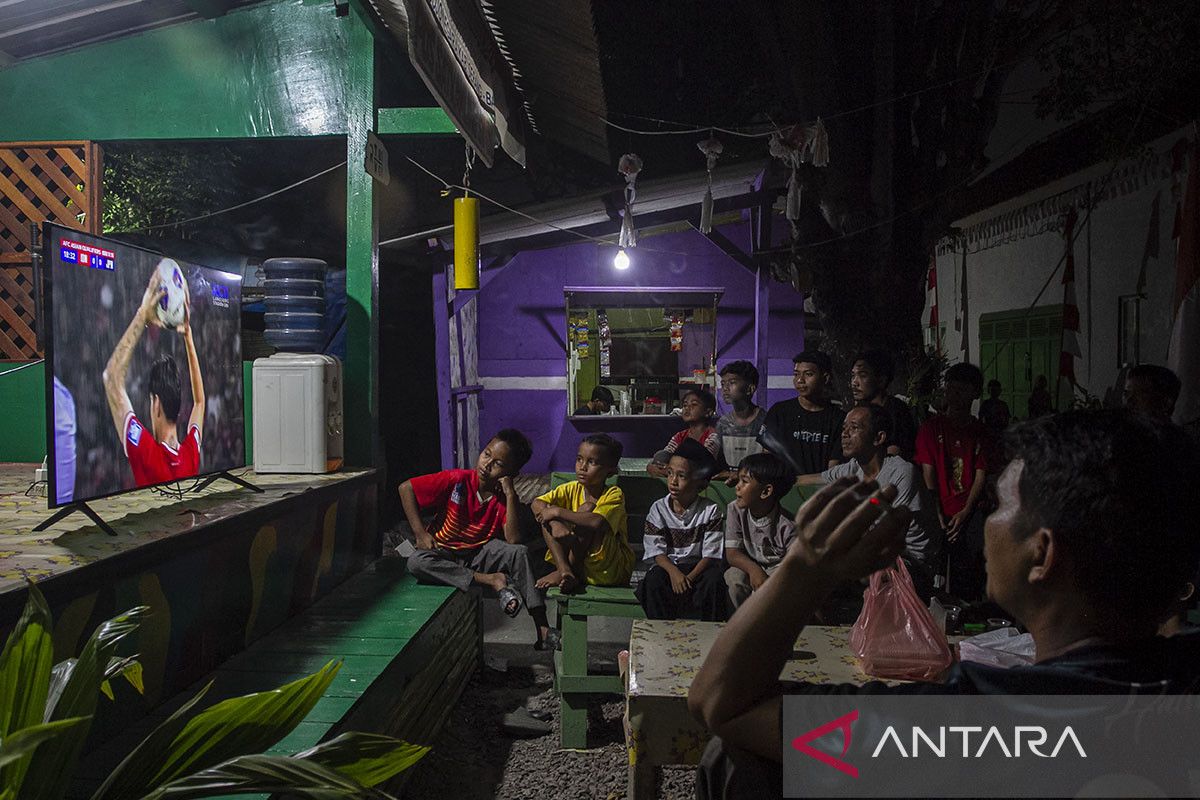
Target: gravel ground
(474, 758)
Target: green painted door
(1017, 346)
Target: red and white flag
(932, 301)
(1070, 312)
(1183, 356)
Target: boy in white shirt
(685, 537)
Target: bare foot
(546, 581)
(494, 581)
(569, 584)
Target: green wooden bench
(574, 683)
(407, 652)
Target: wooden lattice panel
(56, 181)
(16, 313)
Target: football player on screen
(156, 455)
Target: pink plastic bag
(895, 635)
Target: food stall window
(646, 345)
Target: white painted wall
(1010, 254)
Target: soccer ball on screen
(170, 306)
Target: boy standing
(952, 449)
(684, 537)
(804, 432)
(584, 522)
(739, 428)
(993, 412)
(697, 407)
(870, 377)
(475, 538)
(757, 533)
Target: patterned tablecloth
(664, 656)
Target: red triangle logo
(841, 723)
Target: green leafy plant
(46, 711)
(925, 372)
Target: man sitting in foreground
(1094, 538)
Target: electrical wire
(694, 128)
(447, 186)
(289, 187)
(895, 218)
(689, 128)
(23, 366)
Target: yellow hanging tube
(466, 243)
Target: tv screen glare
(143, 367)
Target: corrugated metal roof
(551, 46)
(30, 28)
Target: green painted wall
(277, 69)
(23, 425)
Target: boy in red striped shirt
(475, 537)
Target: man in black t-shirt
(1093, 541)
(870, 375)
(806, 431)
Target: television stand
(71, 508)
(208, 481)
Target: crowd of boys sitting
(1091, 536)
(706, 561)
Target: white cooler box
(297, 413)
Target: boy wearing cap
(805, 431)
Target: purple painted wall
(522, 335)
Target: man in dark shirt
(806, 431)
(1091, 545)
(870, 375)
(600, 402)
(1151, 389)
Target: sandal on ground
(510, 601)
(523, 724)
(553, 641)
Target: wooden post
(363, 447)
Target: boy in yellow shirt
(584, 522)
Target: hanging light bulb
(621, 260)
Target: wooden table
(664, 656)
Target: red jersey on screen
(464, 520)
(153, 462)
(956, 451)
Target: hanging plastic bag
(895, 635)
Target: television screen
(143, 367)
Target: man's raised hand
(185, 327)
(850, 529)
(155, 291)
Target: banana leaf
(25, 665)
(76, 689)
(23, 742)
(275, 774)
(368, 758)
(235, 727)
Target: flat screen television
(143, 367)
